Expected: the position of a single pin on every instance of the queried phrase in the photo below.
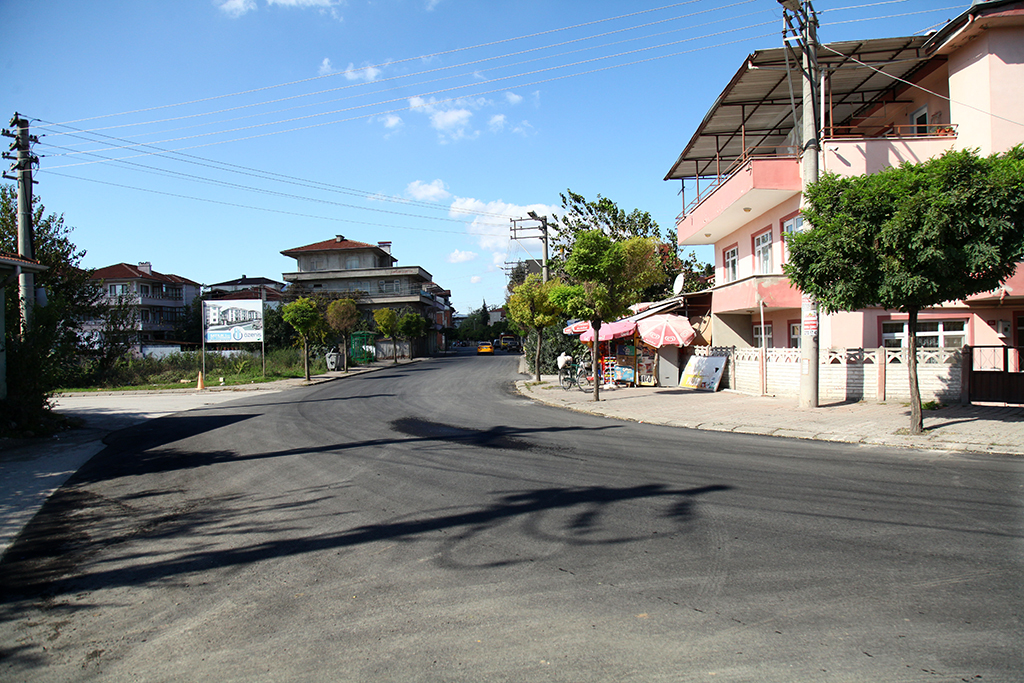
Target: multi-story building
(369, 274)
(883, 102)
(161, 299)
(247, 288)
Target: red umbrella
(615, 330)
(665, 330)
(578, 327)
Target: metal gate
(996, 374)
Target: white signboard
(703, 372)
(233, 322)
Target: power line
(400, 61)
(435, 102)
(891, 16)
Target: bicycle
(568, 375)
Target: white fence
(843, 374)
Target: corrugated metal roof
(755, 109)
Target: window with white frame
(763, 252)
(794, 335)
(729, 260)
(919, 119)
(793, 225)
(931, 334)
(117, 290)
(763, 335)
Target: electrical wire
(400, 61)
(444, 68)
(891, 16)
(450, 99)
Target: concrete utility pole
(807, 36)
(26, 249)
(543, 237)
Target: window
(729, 259)
(117, 290)
(144, 290)
(793, 225)
(144, 315)
(794, 335)
(763, 251)
(351, 261)
(763, 336)
(919, 119)
(931, 334)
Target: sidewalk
(32, 469)
(976, 429)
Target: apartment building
(161, 299)
(369, 274)
(883, 102)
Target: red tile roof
(333, 244)
(15, 260)
(126, 271)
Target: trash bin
(333, 360)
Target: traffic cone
(199, 384)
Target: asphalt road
(427, 524)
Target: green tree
(412, 326)
(579, 216)
(119, 318)
(387, 325)
(530, 307)
(606, 277)
(912, 237)
(343, 317)
(305, 317)
(50, 357)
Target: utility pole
(23, 165)
(543, 237)
(807, 36)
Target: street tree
(530, 307)
(387, 325)
(912, 237)
(50, 357)
(605, 279)
(343, 317)
(412, 326)
(305, 317)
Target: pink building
(885, 101)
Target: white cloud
(326, 67)
(236, 8)
(475, 280)
(513, 98)
(366, 73)
(461, 256)
(391, 120)
(498, 258)
(431, 4)
(430, 192)
(451, 122)
(497, 123)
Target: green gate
(362, 347)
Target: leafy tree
(343, 317)
(387, 325)
(277, 334)
(606, 277)
(50, 356)
(305, 317)
(412, 326)
(912, 237)
(118, 333)
(530, 307)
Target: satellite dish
(677, 286)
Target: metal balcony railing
(888, 130)
(726, 174)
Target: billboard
(232, 322)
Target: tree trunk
(305, 357)
(394, 347)
(536, 355)
(344, 349)
(595, 360)
(916, 420)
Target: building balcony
(852, 151)
(752, 187)
(747, 294)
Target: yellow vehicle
(485, 347)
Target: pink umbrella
(665, 329)
(615, 330)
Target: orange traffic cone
(199, 384)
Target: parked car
(485, 347)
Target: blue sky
(246, 127)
